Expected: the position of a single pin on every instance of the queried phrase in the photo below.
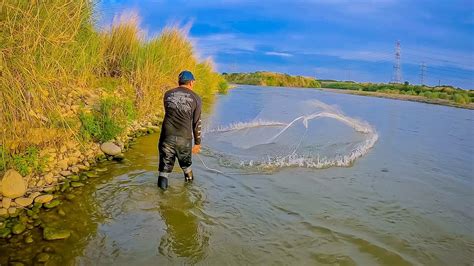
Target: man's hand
(196, 149)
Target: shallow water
(408, 201)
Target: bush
(443, 95)
(461, 98)
(25, 163)
(223, 86)
(109, 120)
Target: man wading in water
(182, 121)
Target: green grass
(107, 120)
(25, 163)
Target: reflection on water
(184, 237)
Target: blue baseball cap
(185, 76)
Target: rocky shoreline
(22, 198)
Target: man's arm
(197, 123)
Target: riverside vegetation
(444, 95)
(261, 78)
(71, 95)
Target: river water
(370, 182)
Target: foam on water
(271, 144)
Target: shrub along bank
(261, 78)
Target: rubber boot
(163, 182)
(188, 177)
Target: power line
(397, 69)
(422, 74)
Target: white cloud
(281, 54)
(210, 45)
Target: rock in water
(18, 228)
(13, 185)
(4, 232)
(42, 257)
(52, 204)
(91, 175)
(119, 157)
(29, 240)
(44, 198)
(61, 212)
(77, 184)
(74, 178)
(50, 233)
(70, 196)
(110, 148)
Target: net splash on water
(320, 136)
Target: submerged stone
(50, 233)
(48, 249)
(18, 228)
(77, 184)
(74, 178)
(91, 175)
(29, 240)
(61, 212)
(70, 196)
(65, 186)
(42, 257)
(4, 232)
(52, 204)
(49, 189)
(119, 157)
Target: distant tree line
(456, 95)
(261, 78)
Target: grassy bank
(271, 79)
(444, 95)
(65, 82)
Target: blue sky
(327, 39)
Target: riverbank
(403, 97)
(47, 231)
(23, 198)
